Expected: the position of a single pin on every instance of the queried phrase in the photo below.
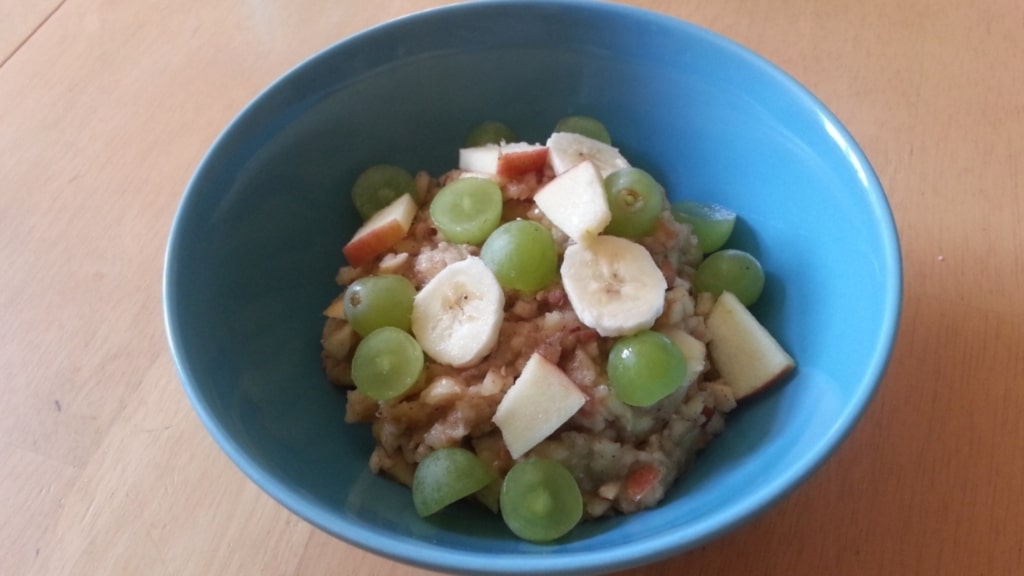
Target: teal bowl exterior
(256, 243)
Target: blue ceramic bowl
(256, 244)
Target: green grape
(636, 201)
(645, 367)
(540, 500)
(445, 476)
(467, 210)
(378, 186)
(733, 270)
(711, 223)
(585, 125)
(387, 363)
(523, 256)
(489, 132)
(373, 302)
(490, 495)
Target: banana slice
(566, 150)
(614, 285)
(456, 317)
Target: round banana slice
(614, 285)
(456, 317)
(566, 149)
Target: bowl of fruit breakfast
(532, 296)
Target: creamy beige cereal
(624, 458)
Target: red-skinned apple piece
(507, 161)
(640, 481)
(745, 353)
(518, 159)
(382, 231)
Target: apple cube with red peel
(382, 231)
(541, 399)
(520, 158)
(641, 481)
(575, 201)
(745, 353)
(508, 161)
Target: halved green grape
(489, 132)
(540, 500)
(711, 223)
(467, 210)
(732, 270)
(378, 186)
(523, 256)
(387, 363)
(645, 367)
(585, 125)
(373, 302)
(445, 476)
(636, 201)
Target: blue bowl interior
(257, 239)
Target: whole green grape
(467, 210)
(372, 302)
(489, 132)
(523, 256)
(645, 368)
(733, 270)
(387, 363)
(586, 126)
(540, 500)
(378, 186)
(636, 201)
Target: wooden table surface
(106, 106)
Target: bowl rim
(668, 543)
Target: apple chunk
(508, 161)
(745, 353)
(575, 201)
(540, 400)
(693, 350)
(521, 158)
(382, 231)
(482, 159)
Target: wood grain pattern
(19, 19)
(107, 105)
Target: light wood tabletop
(106, 106)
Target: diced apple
(483, 159)
(508, 161)
(382, 231)
(520, 158)
(337, 308)
(745, 353)
(576, 202)
(693, 350)
(641, 481)
(541, 399)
